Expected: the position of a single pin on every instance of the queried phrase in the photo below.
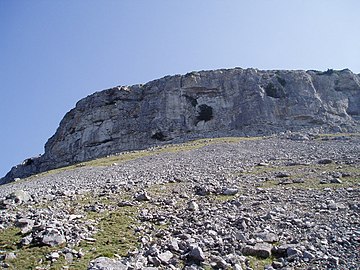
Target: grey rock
(308, 255)
(165, 257)
(230, 191)
(143, 196)
(293, 252)
(69, 257)
(203, 190)
(267, 237)
(54, 256)
(53, 237)
(206, 102)
(173, 244)
(193, 206)
(196, 254)
(104, 263)
(282, 175)
(19, 196)
(154, 260)
(325, 161)
(10, 256)
(333, 206)
(262, 250)
(26, 240)
(277, 264)
(237, 267)
(153, 251)
(25, 225)
(324, 181)
(219, 263)
(336, 181)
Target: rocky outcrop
(206, 103)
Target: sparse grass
(162, 189)
(259, 263)
(312, 174)
(26, 257)
(313, 183)
(334, 135)
(115, 236)
(116, 232)
(9, 238)
(133, 155)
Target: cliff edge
(200, 104)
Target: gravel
(293, 204)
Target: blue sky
(53, 53)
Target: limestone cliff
(206, 103)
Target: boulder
(19, 196)
(52, 237)
(196, 254)
(262, 250)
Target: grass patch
(9, 238)
(159, 190)
(172, 148)
(334, 135)
(115, 237)
(26, 257)
(257, 263)
(312, 174)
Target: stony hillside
(199, 104)
(290, 201)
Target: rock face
(198, 104)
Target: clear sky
(53, 53)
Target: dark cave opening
(205, 113)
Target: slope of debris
(281, 202)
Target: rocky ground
(282, 202)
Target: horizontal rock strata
(200, 104)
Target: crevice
(159, 136)
(192, 100)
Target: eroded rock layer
(199, 104)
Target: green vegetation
(116, 234)
(9, 238)
(311, 176)
(259, 263)
(336, 135)
(115, 237)
(26, 257)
